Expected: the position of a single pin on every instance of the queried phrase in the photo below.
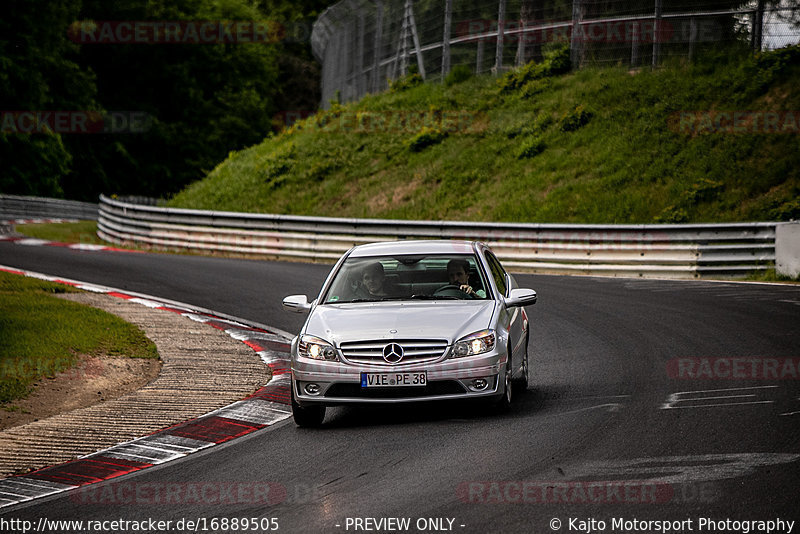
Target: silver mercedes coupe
(410, 321)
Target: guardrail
(25, 207)
(676, 251)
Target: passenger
(458, 275)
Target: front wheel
(504, 403)
(308, 416)
(523, 380)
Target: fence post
(758, 27)
(415, 38)
(635, 32)
(348, 89)
(448, 21)
(575, 41)
(501, 26)
(522, 35)
(376, 69)
(657, 33)
(692, 37)
(361, 82)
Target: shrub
(531, 147)
(412, 79)
(459, 73)
(426, 137)
(575, 119)
(556, 61)
(534, 87)
(672, 215)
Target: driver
(458, 275)
(373, 280)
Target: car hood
(449, 320)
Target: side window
(498, 273)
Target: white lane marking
(792, 413)
(254, 411)
(31, 242)
(678, 469)
(147, 302)
(197, 318)
(87, 247)
(696, 396)
(612, 407)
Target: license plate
(391, 380)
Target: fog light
(479, 383)
(312, 389)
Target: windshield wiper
(433, 297)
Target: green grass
(591, 146)
(41, 335)
(771, 275)
(74, 232)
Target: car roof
(391, 248)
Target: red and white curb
(267, 406)
(34, 242)
(37, 221)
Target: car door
(511, 318)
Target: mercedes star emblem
(393, 353)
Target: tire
(523, 381)
(503, 404)
(307, 417)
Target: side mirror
(521, 297)
(296, 303)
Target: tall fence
(362, 44)
(675, 251)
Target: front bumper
(451, 379)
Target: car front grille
(414, 351)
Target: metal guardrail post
(787, 249)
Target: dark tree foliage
(204, 100)
(38, 71)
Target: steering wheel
(451, 290)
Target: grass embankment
(537, 145)
(41, 335)
(84, 232)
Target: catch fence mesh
(363, 44)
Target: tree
(38, 71)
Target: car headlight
(316, 349)
(473, 344)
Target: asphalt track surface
(606, 430)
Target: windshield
(418, 277)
